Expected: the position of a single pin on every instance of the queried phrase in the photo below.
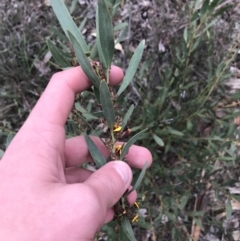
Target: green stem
(107, 75)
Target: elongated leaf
(107, 104)
(84, 120)
(67, 22)
(58, 57)
(105, 40)
(127, 116)
(204, 9)
(82, 24)
(213, 4)
(158, 140)
(228, 208)
(142, 223)
(95, 153)
(222, 10)
(115, 7)
(174, 132)
(87, 115)
(207, 27)
(120, 26)
(184, 200)
(98, 114)
(127, 228)
(122, 235)
(220, 68)
(185, 35)
(73, 6)
(122, 36)
(97, 93)
(94, 52)
(133, 65)
(131, 142)
(140, 177)
(1, 153)
(84, 61)
(9, 138)
(198, 222)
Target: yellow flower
(117, 128)
(135, 219)
(118, 149)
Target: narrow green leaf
(235, 197)
(88, 116)
(84, 120)
(204, 9)
(220, 68)
(120, 26)
(67, 23)
(73, 6)
(127, 228)
(82, 24)
(9, 138)
(199, 223)
(196, 5)
(184, 200)
(195, 16)
(127, 116)
(222, 10)
(207, 27)
(197, 213)
(185, 35)
(115, 7)
(142, 223)
(174, 132)
(94, 52)
(189, 125)
(107, 104)
(105, 39)
(98, 114)
(96, 93)
(55, 65)
(1, 153)
(214, 4)
(158, 140)
(84, 61)
(122, 235)
(140, 177)
(133, 65)
(122, 36)
(59, 34)
(131, 142)
(235, 96)
(174, 233)
(171, 216)
(58, 57)
(196, 44)
(95, 153)
(228, 208)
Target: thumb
(110, 182)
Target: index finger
(57, 100)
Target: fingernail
(123, 170)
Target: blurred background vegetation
(186, 92)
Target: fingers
(56, 102)
(76, 152)
(138, 156)
(110, 182)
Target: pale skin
(43, 194)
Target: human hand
(43, 194)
